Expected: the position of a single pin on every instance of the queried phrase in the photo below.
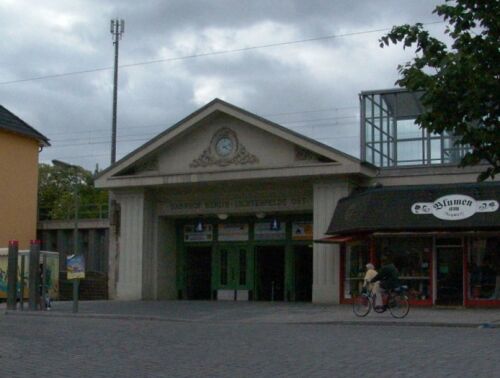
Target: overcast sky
(310, 87)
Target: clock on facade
(224, 146)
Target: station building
(226, 205)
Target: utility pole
(117, 29)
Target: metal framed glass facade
(390, 137)
(244, 258)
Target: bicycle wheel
(399, 306)
(361, 305)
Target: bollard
(21, 283)
(34, 275)
(43, 304)
(12, 275)
(76, 284)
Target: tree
(461, 83)
(56, 189)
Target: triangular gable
(144, 158)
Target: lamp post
(76, 197)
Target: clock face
(224, 146)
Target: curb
(391, 323)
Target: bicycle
(396, 299)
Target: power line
(144, 127)
(307, 124)
(141, 138)
(201, 55)
(89, 156)
(164, 123)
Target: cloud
(57, 36)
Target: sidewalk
(263, 312)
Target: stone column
(326, 257)
(113, 248)
(166, 269)
(129, 259)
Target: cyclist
(387, 279)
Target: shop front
(444, 240)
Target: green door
(233, 273)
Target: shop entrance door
(303, 273)
(198, 272)
(449, 275)
(233, 278)
(270, 273)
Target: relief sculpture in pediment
(224, 150)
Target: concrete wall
(18, 189)
(434, 175)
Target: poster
(302, 231)
(265, 231)
(191, 235)
(51, 279)
(233, 232)
(75, 267)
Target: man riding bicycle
(387, 279)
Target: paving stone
(50, 346)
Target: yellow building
(20, 145)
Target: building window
(484, 268)
(412, 258)
(356, 257)
(391, 138)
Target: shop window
(484, 269)
(356, 257)
(412, 258)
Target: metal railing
(88, 211)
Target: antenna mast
(117, 29)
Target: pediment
(223, 138)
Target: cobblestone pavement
(45, 346)
(267, 312)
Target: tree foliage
(461, 81)
(56, 193)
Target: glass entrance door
(270, 273)
(233, 276)
(198, 272)
(449, 275)
(303, 277)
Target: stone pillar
(326, 257)
(149, 263)
(129, 263)
(112, 242)
(166, 268)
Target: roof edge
(35, 134)
(233, 107)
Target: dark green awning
(419, 208)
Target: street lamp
(76, 197)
